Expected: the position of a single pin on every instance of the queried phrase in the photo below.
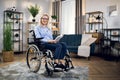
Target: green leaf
(7, 43)
(54, 17)
(34, 10)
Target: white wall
(21, 6)
(102, 5)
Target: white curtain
(68, 17)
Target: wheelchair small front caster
(48, 70)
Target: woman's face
(44, 20)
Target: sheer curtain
(68, 17)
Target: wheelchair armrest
(34, 40)
(39, 38)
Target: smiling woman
(43, 31)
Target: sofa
(73, 41)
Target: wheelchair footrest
(58, 70)
(59, 66)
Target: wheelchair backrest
(33, 33)
(33, 39)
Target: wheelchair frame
(36, 53)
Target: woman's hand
(52, 41)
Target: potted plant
(8, 54)
(34, 10)
(54, 17)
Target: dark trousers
(59, 49)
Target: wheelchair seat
(36, 53)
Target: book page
(58, 37)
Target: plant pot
(8, 56)
(53, 20)
(33, 20)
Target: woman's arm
(52, 41)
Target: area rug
(20, 71)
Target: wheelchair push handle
(34, 35)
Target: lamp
(100, 18)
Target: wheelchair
(36, 55)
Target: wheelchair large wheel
(33, 58)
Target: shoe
(62, 66)
(55, 65)
(59, 66)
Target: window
(68, 17)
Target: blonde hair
(44, 15)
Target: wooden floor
(99, 69)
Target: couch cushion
(72, 40)
(72, 48)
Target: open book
(59, 37)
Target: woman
(43, 31)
